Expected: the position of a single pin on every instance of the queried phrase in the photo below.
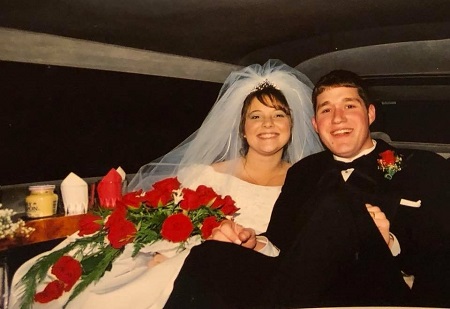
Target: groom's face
(342, 121)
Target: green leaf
(91, 262)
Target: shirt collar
(362, 153)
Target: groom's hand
(230, 231)
(380, 220)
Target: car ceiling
(230, 31)
(400, 46)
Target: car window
(414, 121)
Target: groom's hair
(340, 78)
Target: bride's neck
(264, 171)
(262, 163)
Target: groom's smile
(342, 121)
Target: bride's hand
(230, 231)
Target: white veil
(218, 137)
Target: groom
(333, 251)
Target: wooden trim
(45, 229)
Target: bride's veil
(218, 137)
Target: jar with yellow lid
(42, 201)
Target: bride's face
(266, 129)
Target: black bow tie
(344, 165)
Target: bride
(259, 126)
(229, 154)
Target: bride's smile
(267, 129)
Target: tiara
(265, 84)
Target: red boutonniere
(389, 163)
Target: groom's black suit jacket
(332, 253)
(321, 222)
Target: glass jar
(42, 201)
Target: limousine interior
(89, 85)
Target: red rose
(89, 224)
(206, 195)
(156, 197)
(120, 230)
(190, 200)
(120, 233)
(52, 291)
(177, 228)
(119, 214)
(133, 199)
(388, 157)
(162, 192)
(229, 206)
(168, 184)
(68, 270)
(208, 225)
(218, 202)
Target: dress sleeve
(269, 249)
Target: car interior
(91, 85)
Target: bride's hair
(270, 97)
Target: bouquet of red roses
(166, 212)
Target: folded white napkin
(74, 191)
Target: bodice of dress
(255, 201)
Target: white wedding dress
(131, 283)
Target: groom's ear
(371, 112)
(314, 123)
